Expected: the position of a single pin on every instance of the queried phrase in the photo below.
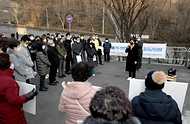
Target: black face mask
(131, 43)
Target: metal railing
(174, 56)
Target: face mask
(82, 38)
(138, 39)
(31, 38)
(78, 41)
(12, 66)
(45, 40)
(43, 47)
(106, 40)
(131, 43)
(25, 45)
(53, 45)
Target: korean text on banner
(154, 50)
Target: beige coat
(81, 91)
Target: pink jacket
(81, 91)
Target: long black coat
(156, 107)
(67, 44)
(91, 51)
(53, 56)
(91, 120)
(131, 58)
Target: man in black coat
(153, 106)
(54, 60)
(67, 44)
(83, 42)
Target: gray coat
(25, 54)
(77, 48)
(19, 66)
(42, 63)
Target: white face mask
(53, 45)
(25, 45)
(45, 40)
(106, 40)
(78, 41)
(138, 39)
(31, 38)
(12, 66)
(43, 47)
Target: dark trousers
(52, 73)
(132, 74)
(27, 80)
(139, 63)
(61, 67)
(100, 56)
(67, 65)
(106, 57)
(42, 81)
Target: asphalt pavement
(109, 74)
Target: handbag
(82, 107)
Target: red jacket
(10, 102)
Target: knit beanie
(155, 80)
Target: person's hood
(76, 90)
(11, 51)
(9, 72)
(156, 103)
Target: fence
(174, 56)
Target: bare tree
(15, 10)
(125, 13)
(156, 13)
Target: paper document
(79, 59)
(29, 106)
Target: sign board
(154, 50)
(149, 50)
(137, 86)
(29, 106)
(69, 18)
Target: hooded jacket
(11, 111)
(81, 91)
(156, 107)
(91, 120)
(19, 66)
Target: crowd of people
(20, 60)
(50, 53)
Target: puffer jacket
(61, 51)
(156, 107)
(91, 120)
(10, 102)
(81, 91)
(42, 63)
(19, 66)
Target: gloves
(30, 95)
